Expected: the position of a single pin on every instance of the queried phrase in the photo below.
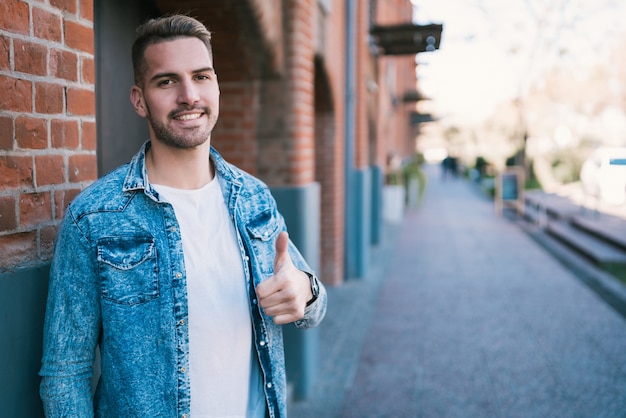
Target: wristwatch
(315, 288)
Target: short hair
(165, 28)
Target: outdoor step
(606, 227)
(554, 206)
(598, 250)
(601, 281)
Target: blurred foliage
(566, 165)
(413, 170)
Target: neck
(179, 168)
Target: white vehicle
(603, 175)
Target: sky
(493, 50)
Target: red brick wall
(234, 135)
(395, 75)
(380, 83)
(408, 82)
(362, 75)
(299, 54)
(330, 140)
(47, 121)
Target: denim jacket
(118, 281)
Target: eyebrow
(174, 75)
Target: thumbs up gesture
(284, 295)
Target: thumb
(282, 255)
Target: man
(177, 264)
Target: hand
(284, 295)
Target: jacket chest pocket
(262, 230)
(128, 269)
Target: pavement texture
(465, 315)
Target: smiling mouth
(188, 116)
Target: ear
(137, 100)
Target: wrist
(315, 288)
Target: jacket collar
(137, 175)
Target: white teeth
(190, 116)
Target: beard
(187, 138)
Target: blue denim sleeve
(71, 327)
(315, 312)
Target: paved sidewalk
(466, 316)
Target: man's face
(179, 94)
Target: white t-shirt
(220, 330)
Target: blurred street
(466, 315)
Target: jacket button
(178, 275)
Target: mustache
(181, 109)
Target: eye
(203, 77)
(165, 82)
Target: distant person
(177, 264)
(449, 167)
(481, 168)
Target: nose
(188, 93)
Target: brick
(6, 133)
(47, 25)
(49, 98)
(16, 94)
(88, 136)
(35, 208)
(86, 9)
(50, 169)
(88, 71)
(16, 172)
(8, 221)
(14, 16)
(30, 58)
(31, 133)
(82, 168)
(18, 249)
(65, 5)
(64, 134)
(62, 199)
(79, 37)
(63, 64)
(81, 102)
(5, 53)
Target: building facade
(311, 102)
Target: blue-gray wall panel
(22, 309)
(377, 205)
(363, 215)
(300, 206)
